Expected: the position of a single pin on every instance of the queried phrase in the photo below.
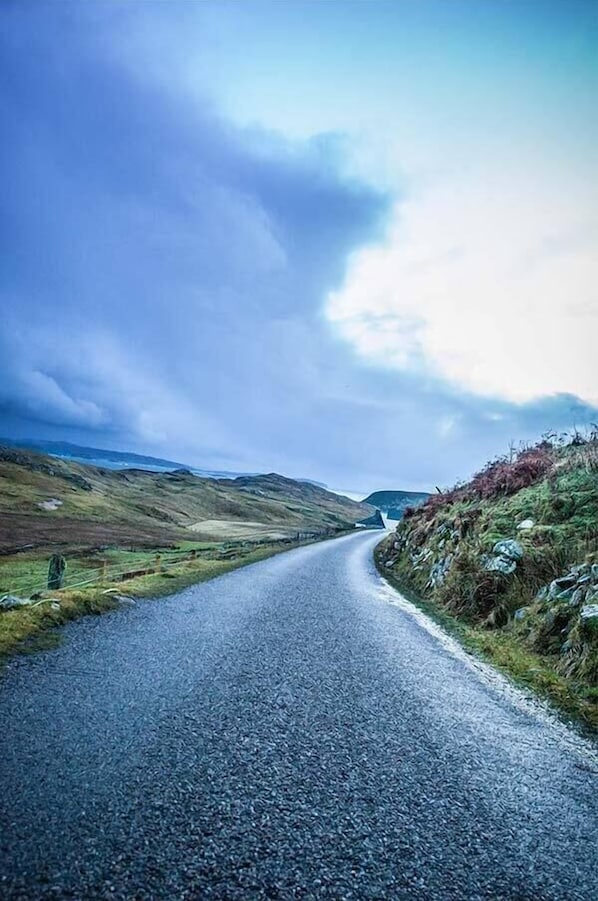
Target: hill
(108, 459)
(394, 503)
(47, 502)
(513, 555)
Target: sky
(348, 241)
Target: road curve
(285, 731)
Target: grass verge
(573, 701)
(30, 629)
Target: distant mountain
(47, 501)
(394, 503)
(110, 459)
(374, 521)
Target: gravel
(284, 732)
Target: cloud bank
(166, 273)
(490, 284)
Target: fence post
(158, 563)
(56, 571)
(105, 571)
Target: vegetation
(138, 533)
(34, 627)
(512, 557)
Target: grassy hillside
(45, 502)
(146, 532)
(512, 556)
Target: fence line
(156, 561)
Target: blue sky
(354, 241)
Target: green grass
(508, 651)
(28, 629)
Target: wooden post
(158, 563)
(105, 571)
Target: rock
(12, 602)
(501, 564)
(526, 524)
(374, 521)
(508, 547)
(558, 587)
(578, 597)
(439, 570)
(589, 611)
(521, 613)
(56, 571)
(594, 572)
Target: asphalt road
(289, 730)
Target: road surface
(290, 730)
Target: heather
(513, 556)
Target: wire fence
(153, 562)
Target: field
(139, 533)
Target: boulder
(12, 602)
(590, 611)
(501, 564)
(56, 571)
(508, 547)
(578, 596)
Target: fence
(152, 562)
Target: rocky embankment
(515, 551)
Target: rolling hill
(45, 501)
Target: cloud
(160, 261)
(165, 275)
(488, 281)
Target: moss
(508, 650)
(555, 487)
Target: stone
(521, 613)
(56, 571)
(590, 611)
(567, 581)
(12, 602)
(526, 524)
(508, 547)
(501, 564)
(578, 597)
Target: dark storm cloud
(148, 245)
(164, 273)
